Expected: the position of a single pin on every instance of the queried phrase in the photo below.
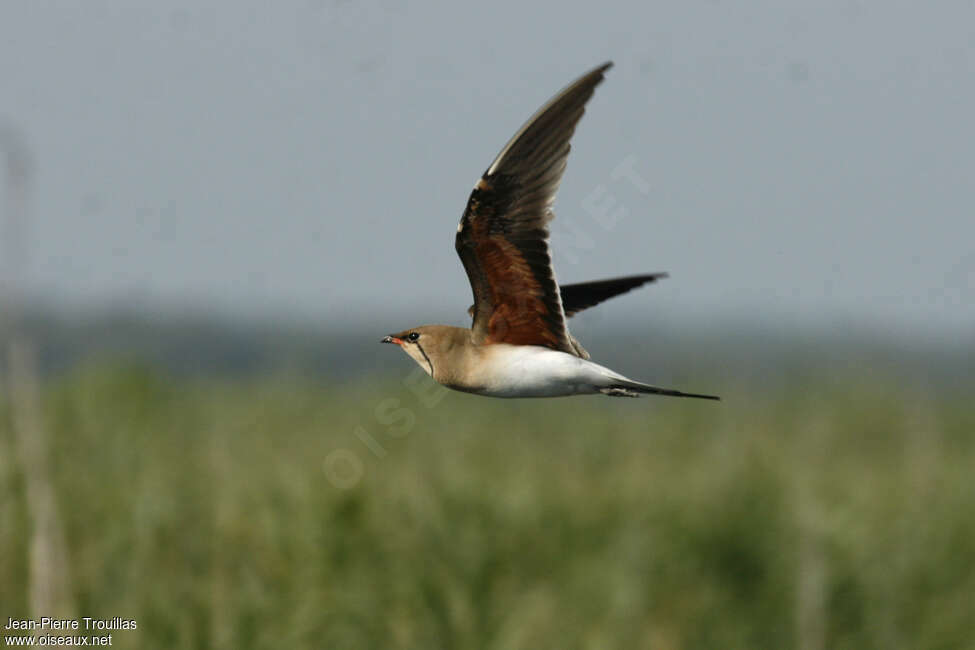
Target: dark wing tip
(505, 225)
(647, 278)
(558, 116)
(599, 72)
(577, 297)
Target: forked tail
(622, 387)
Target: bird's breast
(530, 371)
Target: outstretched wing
(576, 297)
(502, 238)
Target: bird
(519, 343)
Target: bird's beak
(392, 339)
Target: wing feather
(576, 297)
(502, 239)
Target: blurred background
(211, 212)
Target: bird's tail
(623, 387)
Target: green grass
(828, 514)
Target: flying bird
(519, 343)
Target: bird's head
(429, 345)
(417, 342)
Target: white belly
(533, 371)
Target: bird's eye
(413, 336)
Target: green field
(218, 514)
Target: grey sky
(806, 161)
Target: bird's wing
(502, 238)
(576, 297)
